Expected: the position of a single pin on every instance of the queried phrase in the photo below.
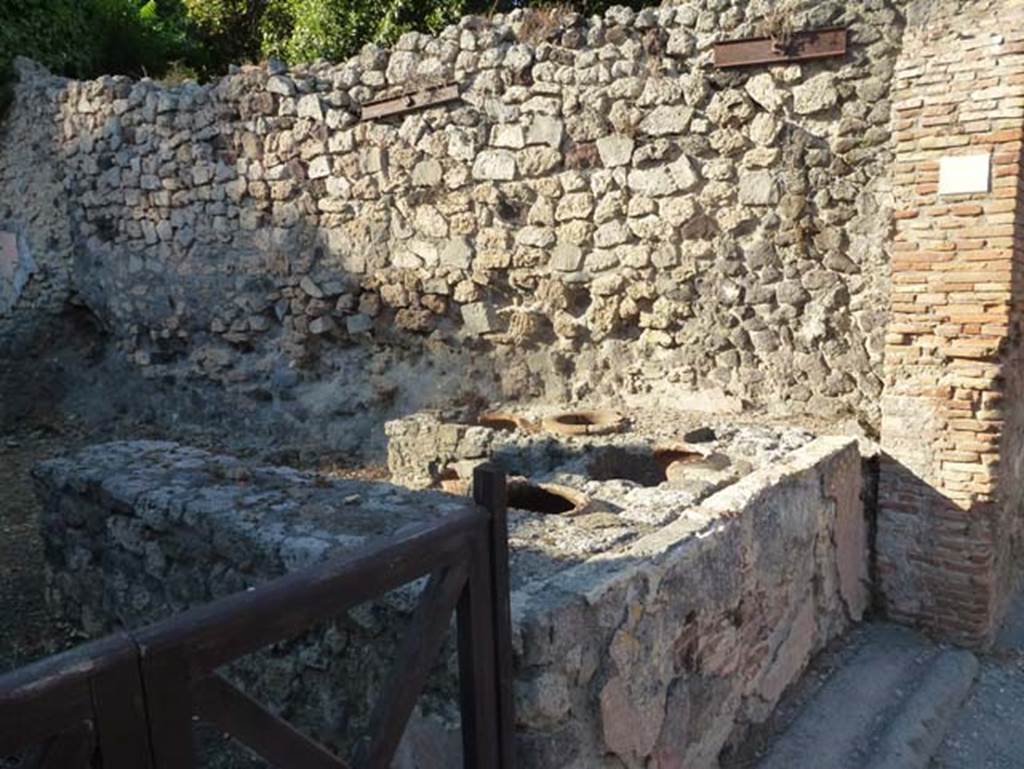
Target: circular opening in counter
(499, 420)
(683, 466)
(617, 463)
(597, 422)
(546, 498)
(666, 456)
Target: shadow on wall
(935, 560)
(327, 276)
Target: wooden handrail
(133, 695)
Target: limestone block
(359, 324)
(758, 188)
(535, 237)
(479, 318)
(535, 161)
(309, 107)
(545, 129)
(659, 181)
(576, 205)
(817, 94)
(763, 90)
(320, 167)
(322, 325)
(681, 42)
(456, 253)
(666, 120)
(281, 85)
(615, 150)
(509, 135)
(566, 257)
(495, 165)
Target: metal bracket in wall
(813, 44)
(407, 102)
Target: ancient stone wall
(35, 224)
(656, 654)
(602, 211)
(951, 478)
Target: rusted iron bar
(408, 102)
(812, 44)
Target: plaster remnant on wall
(16, 267)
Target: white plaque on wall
(964, 174)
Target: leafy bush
(50, 31)
(304, 30)
(86, 38)
(226, 31)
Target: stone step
(887, 708)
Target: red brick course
(948, 501)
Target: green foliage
(51, 31)
(304, 30)
(86, 38)
(227, 31)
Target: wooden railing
(128, 701)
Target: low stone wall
(137, 531)
(654, 654)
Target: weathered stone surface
(817, 94)
(246, 185)
(16, 267)
(208, 525)
(497, 165)
(479, 318)
(280, 85)
(758, 188)
(427, 173)
(615, 150)
(605, 644)
(763, 90)
(666, 120)
(309, 106)
(677, 176)
(545, 130)
(566, 257)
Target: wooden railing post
(490, 491)
(119, 706)
(167, 681)
(477, 671)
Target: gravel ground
(989, 732)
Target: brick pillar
(949, 508)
